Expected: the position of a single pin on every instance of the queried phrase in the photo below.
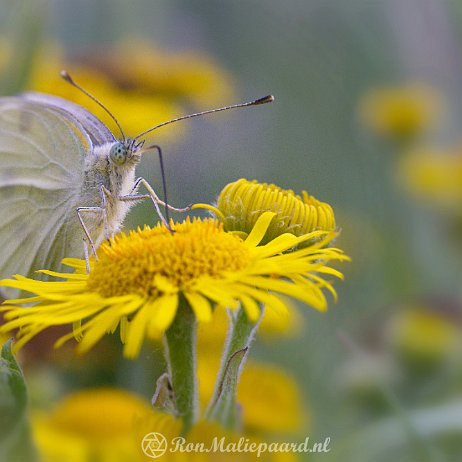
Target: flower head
(96, 424)
(140, 277)
(425, 335)
(240, 204)
(434, 175)
(400, 112)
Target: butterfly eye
(118, 154)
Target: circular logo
(154, 444)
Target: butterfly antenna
(264, 100)
(65, 75)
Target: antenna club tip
(65, 75)
(265, 99)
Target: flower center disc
(135, 263)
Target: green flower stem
(240, 335)
(180, 353)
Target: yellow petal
(163, 312)
(259, 230)
(252, 310)
(200, 305)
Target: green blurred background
(373, 388)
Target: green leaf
(15, 440)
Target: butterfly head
(119, 153)
(123, 151)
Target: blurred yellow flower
(434, 175)
(139, 83)
(91, 425)
(273, 324)
(186, 76)
(3, 339)
(108, 425)
(401, 112)
(424, 335)
(270, 398)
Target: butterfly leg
(80, 212)
(87, 256)
(104, 193)
(154, 198)
(138, 197)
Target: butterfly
(65, 179)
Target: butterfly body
(102, 174)
(59, 165)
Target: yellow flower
(276, 324)
(434, 175)
(401, 112)
(138, 280)
(273, 323)
(94, 424)
(3, 339)
(269, 396)
(423, 335)
(270, 399)
(183, 75)
(240, 204)
(108, 425)
(140, 84)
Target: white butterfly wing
(43, 145)
(93, 127)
